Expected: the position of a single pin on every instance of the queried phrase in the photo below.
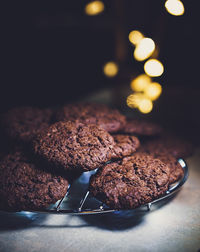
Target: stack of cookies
(48, 148)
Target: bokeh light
(110, 69)
(175, 7)
(145, 106)
(144, 49)
(153, 91)
(135, 37)
(153, 67)
(140, 82)
(94, 8)
(134, 100)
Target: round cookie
(172, 145)
(74, 146)
(141, 127)
(23, 123)
(25, 187)
(109, 119)
(131, 182)
(125, 145)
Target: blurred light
(144, 49)
(175, 7)
(145, 106)
(153, 67)
(153, 91)
(110, 69)
(134, 100)
(135, 37)
(140, 82)
(94, 8)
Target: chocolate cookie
(141, 127)
(74, 146)
(22, 123)
(172, 145)
(130, 182)
(23, 186)
(125, 145)
(109, 119)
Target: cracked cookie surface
(131, 182)
(25, 187)
(73, 145)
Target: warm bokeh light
(135, 37)
(134, 100)
(153, 91)
(140, 82)
(145, 106)
(153, 68)
(94, 8)
(144, 49)
(110, 69)
(175, 7)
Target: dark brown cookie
(125, 145)
(131, 182)
(73, 145)
(109, 119)
(25, 187)
(22, 123)
(141, 127)
(172, 145)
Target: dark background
(54, 53)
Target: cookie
(172, 145)
(130, 182)
(141, 127)
(109, 119)
(125, 145)
(23, 186)
(23, 123)
(74, 146)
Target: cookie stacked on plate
(48, 148)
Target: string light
(153, 68)
(110, 69)
(94, 8)
(144, 49)
(145, 106)
(135, 37)
(140, 83)
(153, 91)
(175, 7)
(134, 100)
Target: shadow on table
(20, 220)
(119, 220)
(122, 220)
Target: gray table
(175, 226)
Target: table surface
(175, 226)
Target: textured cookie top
(131, 182)
(24, 187)
(73, 145)
(176, 171)
(109, 119)
(168, 144)
(141, 127)
(23, 123)
(125, 145)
